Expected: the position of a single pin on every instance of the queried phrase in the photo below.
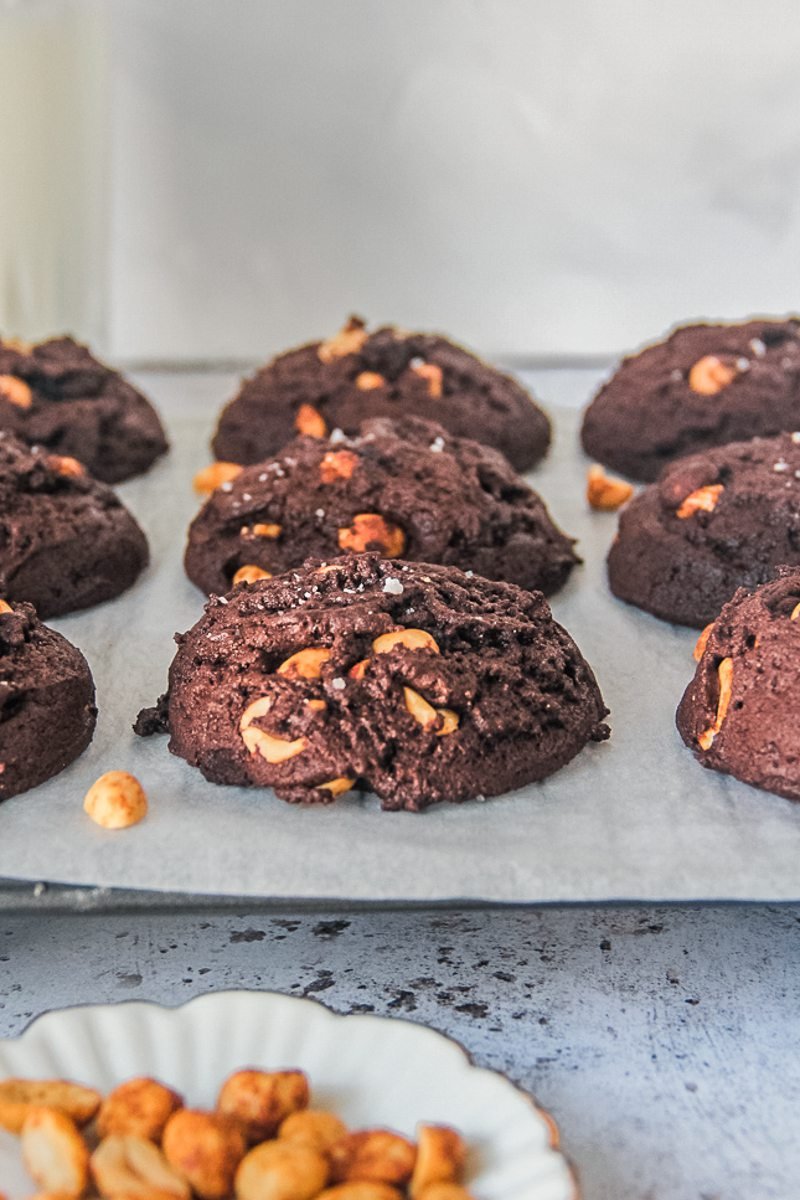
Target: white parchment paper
(635, 818)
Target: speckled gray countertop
(663, 1040)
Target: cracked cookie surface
(389, 373)
(47, 712)
(413, 681)
(714, 522)
(405, 488)
(66, 541)
(741, 712)
(703, 386)
(58, 395)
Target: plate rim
(546, 1118)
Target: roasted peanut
(64, 464)
(368, 381)
(725, 673)
(412, 639)
(444, 1191)
(205, 1148)
(259, 1101)
(281, 1170)
(370, 530)
(710, 375)
(702, 642)
(210, 478)
(373, 1154)
(432, 374)
(19, 1096)
(271, 748)
(15, 391)
(54, 1153)
(795, 613)
(313, 1127)
(305, 664)
(5, 607)
(705, 499)
(348, 340)
(361, 1189)
(250, 574)
(263, 529)
(337, 787)
(426, 715)
(124, 1164)
(16, 343)
(140, 1107)
(309, 422)
(359, 669)
(605, 493)
(116, 801)
(441, 1156)
(338, 464)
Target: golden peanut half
(259, 1101)
(359, 669)
(605, 493)
(710, 375)
(704, 499)
(427, 716)
(368, 381)
(250, 573)
(795, 613)
(210, 478)
(338, 464)
(205, 1148)
(376, 1155)
(19, 1096)
(55, 1155)
(305, 664)
(263, 529)
(702, 642)
(16, 391)
(116, 801)
(412, 639)
(361, 1189)
(309, 422)
(140, 1107)
(370, 530)
(124, 1164)
(64, 464)
(725, 672)
(272, 749)
(432, 374)
(348, 340)
(441, 1157)
(313, 1127)
(281, 1170)
(5, 607)
(338, 786)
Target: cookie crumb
(393, 587)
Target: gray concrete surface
(663, 1040)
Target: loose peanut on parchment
(15, 391)
(125, 1164)
(281, 1170)
(605, 493)
(259, 1101)
(210, 478)
(54, 1153)
(116, 801)
(441, 1157)
(139, 1106)
(377, 1155)
(19, 1096)
(313, 1127)
(206, 1148)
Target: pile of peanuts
(262, 1141)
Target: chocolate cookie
(714, 522)
(47, 712)
(741, 712)
(405, 488)
(58, 395)
(413, 681)
(66, 541)
(704, 386)
(356, 375)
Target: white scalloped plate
(371, 1070)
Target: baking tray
(635, 819)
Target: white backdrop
(535, 176)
